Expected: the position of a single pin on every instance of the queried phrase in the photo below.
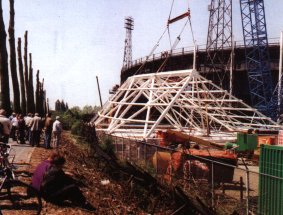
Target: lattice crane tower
(219, 40)
(129, 26)
(257, 56)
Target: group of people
(30, 128)
(48, 179)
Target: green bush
(72, 118)
(107, 144)
(77, 128)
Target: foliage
(61, 106)
(90, 110)
(77, 128)
(107, 144)
(73, 118)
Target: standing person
(15, 125)
(57, 130)
(28, 118)
(6, 124)
(22, 129)
(48, 130)
(35, 129)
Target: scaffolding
(181, 100)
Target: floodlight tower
(129, 26)
(219, 41)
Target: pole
(247, 188)
(280, 73)
(248, 191)
(212, 185)
(99, 92)
(231, 66)
(195, 57)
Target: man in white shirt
(27, 119)
(35, 129)
(56, 130)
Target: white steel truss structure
(182, 100)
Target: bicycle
(19, 197)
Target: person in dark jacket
(48, 130)
(22, 129)
(57, 187)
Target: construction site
(205, 120)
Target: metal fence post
(248, 190)
(171, 170)
(144, 156)
(130, 151)
(247, 187)
(122, 148)
(241, 189)
(116, 143)
(156, 151)
(212, 184)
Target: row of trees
(61, 106)
(24, 100)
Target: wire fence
(226, 186)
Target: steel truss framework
(219, 40)
(182, 100)
(257, 55)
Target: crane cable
(169, 35)
(169, 17)
(178, 38)
(151, 53)
(171, 21)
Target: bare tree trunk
(4, 72)
(28, 103)
(37, 102)
(42, 98)
(13, 60)
(22, 80)
(46, 104)
(30, 80)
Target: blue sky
(73, 41)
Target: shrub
(77, 128)
(107, 144)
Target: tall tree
(26, 73)
(42, 98)
(57, 105)
(37, 94)
(30, 84)
(13, 60)
(47, 109)
(22, 80)
(4, 71)
(63, 107)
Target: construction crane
(257, 56)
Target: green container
(270, 200)
(252, 141)
(242, 141)
(246, 142)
